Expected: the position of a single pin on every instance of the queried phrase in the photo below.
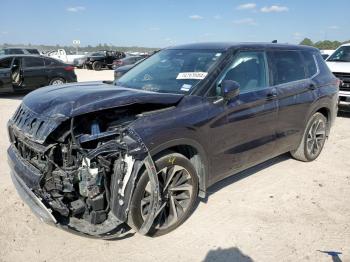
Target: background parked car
(130, 60)
(326, 53)
(102, 59)
(27, 72)
(339, 63)
(120, 71)
(63, 56)
(80, 62)
(19, 51)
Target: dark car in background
(19, 51)
(102, 59)
(28, 72)
(121, 70)
(130, 60)
(81, 62)
(97, 158)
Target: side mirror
(230, 89)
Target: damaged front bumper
(26, 179)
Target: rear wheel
(57, 81)
(97, 66)
(313, 139)
(179, 188)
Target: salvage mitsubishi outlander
(98, 159)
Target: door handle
(312, 87)
(271, 96)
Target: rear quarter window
(310, 63)
(287, 66)
(52, 62)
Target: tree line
(326, 44)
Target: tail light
(69, 68)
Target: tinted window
(33, 51)
(288, 67)
(15, 51)
(249, 70)
(5, 63)
(310, 63)
(52, 62)
(33, 62)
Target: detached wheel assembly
(178, 190)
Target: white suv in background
(339, 64)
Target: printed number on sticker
(192, 75)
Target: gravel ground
(282, 210)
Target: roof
(232, 45)
(24, 55)
(18, 47)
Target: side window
(51, 62)
(33, 62)
(33, 51)
(15, 51)
(310, 63)
(5, 63)
(249, 70)
(287, 67)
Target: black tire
(57, 81)
(97, 66)
(185, 200)
(313, 140)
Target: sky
(161, 23)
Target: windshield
(342, 54)
(171, 71)
(2, 52)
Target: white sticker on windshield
(186, 87)
(192, 75)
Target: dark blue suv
(100, 158)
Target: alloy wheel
(316, 137)
(176, 188)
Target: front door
(5, 75)
(243, 133)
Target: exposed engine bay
(89, 165)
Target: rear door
(5, 75)
(243, 133)
(33, 72)
(295, 91)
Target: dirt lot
(282, 210)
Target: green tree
(307, 41)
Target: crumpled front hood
(79, 98)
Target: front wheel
(179, 189)
(97, 66)
(313, 139)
